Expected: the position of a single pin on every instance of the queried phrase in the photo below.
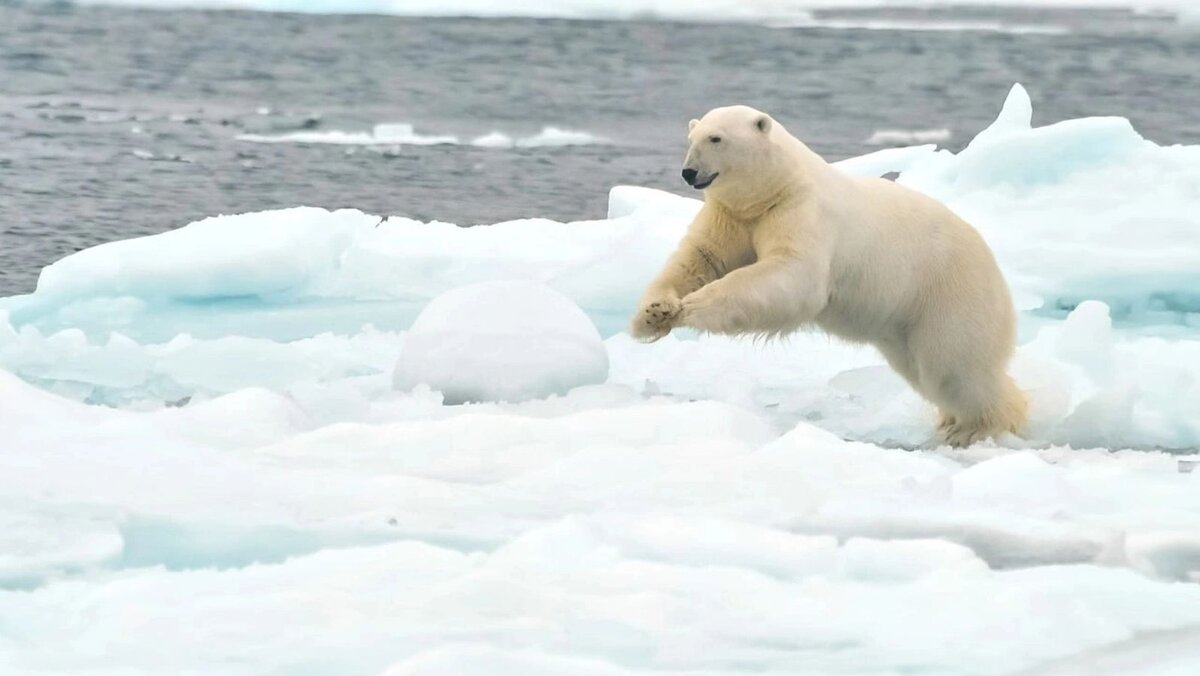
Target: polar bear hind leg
(972, 405)
(975, 405)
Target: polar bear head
(731, 149)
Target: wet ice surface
(266, 494)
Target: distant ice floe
(692, 10)
(547, 137)
(924, 25)
(775, 12)
(381, 134)
(406, 134)
(908, 137)
(259, 495)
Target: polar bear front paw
(704, 311)
(655, 319)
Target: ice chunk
(1085, 338)
(547, 137)
(1015, 116)
(555, 137)
(400, 133)
(295, 273)
(648, 203)
(1078, 210)
(382, 134)
(1001, 154)
(906, 137)
(196, 263)
(1110, 388)
(501, 341)
(889, 160)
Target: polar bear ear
(692, 124)
(763, 123)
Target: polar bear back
(897, 255)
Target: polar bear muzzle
(697, 180)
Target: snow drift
(501, 341)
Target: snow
(399, 133)
(209, 468)
(566, 537)
(501, 341)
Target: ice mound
(501, 341)
(195, 263)
(1000, 153)
(397, 134)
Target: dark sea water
(118, 122)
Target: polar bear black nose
(689, 176)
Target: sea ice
(601, 532)
(501, 341)
(256, 496)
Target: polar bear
(785, 241)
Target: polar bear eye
(714, 139)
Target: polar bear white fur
(784, 240)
